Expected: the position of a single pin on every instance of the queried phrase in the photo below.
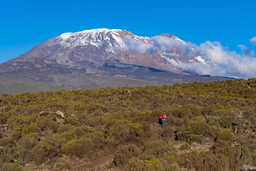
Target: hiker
(163, 117)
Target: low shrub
(212, 162)
(196, 129)
(32, 128)
(97, 138)
(63, 128)
(25, 155)
(226, 121)
(125, 153)
(196, 138)
(125, 131)
(136, 164)
(79, 148)
(44, 151)
(145, 127)
(225, 135)
(185, 146)
(82, 130)
(47, 122)
(28, 141)
(73, 120)
(237, 155)
(157, 148)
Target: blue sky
(27, 23)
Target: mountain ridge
(95, 46)
(105, 53)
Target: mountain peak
(102, 30)
(95, 46)
(167, 35)
(65, 35)
(91, 31)
(170, 36)
(95, 37)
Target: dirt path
(155, 130)
(101, 163)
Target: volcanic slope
(114, 57)
(210, 126)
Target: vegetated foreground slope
(210, 126)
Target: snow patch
(172, 61)
(95, 30)
(200, 59)
(96, 37)
(65, 35)
(119, 40)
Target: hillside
(23, 82)
(210, 126)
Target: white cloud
(164, 44)
(246, 51)
(253, 41)
(223, 62)
(220, 61)
(133, 45)
(203, 69)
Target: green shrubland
(222, 114)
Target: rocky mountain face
(104, 52)
(88, 50)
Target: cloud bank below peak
(220, 61)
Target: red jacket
(163, 117)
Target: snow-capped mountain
(89, 50)
(102, 58)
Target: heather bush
(97, 138)
(185, 146)
(44, 151)
(63, 128)
(28, 141)
(212, 162)
(3, 117)
(78, 147)
(226, 121)
(195, 138)
(58, 139)
(82, 130)
(125, 131)
(73, 120)
(237, 156)
(196, 129)
(226, 135)
(124, 153)
(48, 122)
(32, 128)
(25, 155)
(157, 148)
(136, 164)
